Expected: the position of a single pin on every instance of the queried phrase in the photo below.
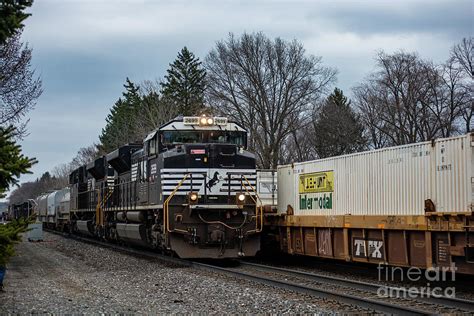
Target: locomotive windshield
(171, 138)
(236, 138)
(181, 137)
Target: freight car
(409, 205)
(21, 210)
(52, 209)
(189, 189)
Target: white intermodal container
(404, 180)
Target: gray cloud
(84, 50)
(446, 18)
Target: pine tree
(185, 83)
(338, 129)
(12, 17)
(119, 128)
(12, 162)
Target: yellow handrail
(258, 208)
(166, 207)
(99, 209)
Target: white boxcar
(403, 180)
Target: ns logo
(213, 181)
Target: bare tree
(61, 174)
(450, 98)
(377, 131)
(468, 110)
(409, 99)
(299, 145)
(19, 87)
(462, 57)
(270, 86)
(84, 156)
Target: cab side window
(152, 149)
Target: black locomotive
(189, 189)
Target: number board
(191, 120)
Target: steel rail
(378, 306)
(365, 286)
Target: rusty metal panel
(396, 248)
(283, 239)
(325, 242)
(388, 181)
(297, 241)
(309, 241)
(418, 249)
(338, 241)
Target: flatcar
(410, 206)
(189, 189)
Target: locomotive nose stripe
(211, 181)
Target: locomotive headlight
(240, 198)
(193, 197)
(210, 121)
(203, 121)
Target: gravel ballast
(62, 275)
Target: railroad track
(462, 304)
(323, 291)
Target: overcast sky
(84, 50)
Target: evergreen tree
(185, 83)
(119, 127)
(338, 129)
(12, 17)
(12, 162)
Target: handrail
(258, 208)
(99, 209)
(166, 207)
